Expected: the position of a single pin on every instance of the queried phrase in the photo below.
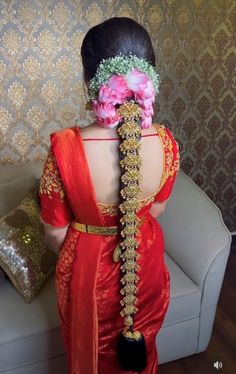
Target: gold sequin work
(51, 180)
(171, 165)
(113, 209)
(63, 278)
(24, 255)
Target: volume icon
(218, 365)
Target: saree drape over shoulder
(87, 277)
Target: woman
(111, 280)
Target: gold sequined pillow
(24, 256)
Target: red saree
(87, 278)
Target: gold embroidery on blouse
(51, 180)
(113, 209)
(164, 176)
(176, 163)
(170, 165)
(51, 226)
(147, 201)
(168, 152)
(106, 209)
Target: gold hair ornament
(131, 343)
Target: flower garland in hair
(119, 79)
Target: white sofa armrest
(194, 230)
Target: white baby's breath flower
(120, 65)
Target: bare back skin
(103, 161)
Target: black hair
(115, 36)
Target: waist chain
(99, 230)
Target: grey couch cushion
(185, 295)
(204, 234)
(29, 332)
(10, 172)
(13, 191)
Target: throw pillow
(24, 256)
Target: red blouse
(55, 207)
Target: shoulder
(166, 134)
(95, 131)
(67, 131)
(64, 133)
(170, 144)
(164, 131)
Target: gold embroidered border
(51, 180)
(163, 177)
(51, 226)
(112, 209)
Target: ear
(85, 89)
(85, 82)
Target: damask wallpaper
(42, 91)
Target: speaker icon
(218, 365)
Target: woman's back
(112, 284)
(101, 148)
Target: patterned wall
(195, 44)
(42, 91)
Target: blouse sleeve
(171, 165)
(55, 211)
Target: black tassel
(131, 353)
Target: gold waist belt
(99, 230)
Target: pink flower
(146, 121)
(135, 78)
(106, 114)
(144, 94)
(105, 95)
(117, 83)
(135, 85)
(148, 111)
(141, 85)
(115, 91)
(146, 104)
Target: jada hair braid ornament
(122, 94)
(131, 343)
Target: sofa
(197, 246)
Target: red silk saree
(87, 278)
